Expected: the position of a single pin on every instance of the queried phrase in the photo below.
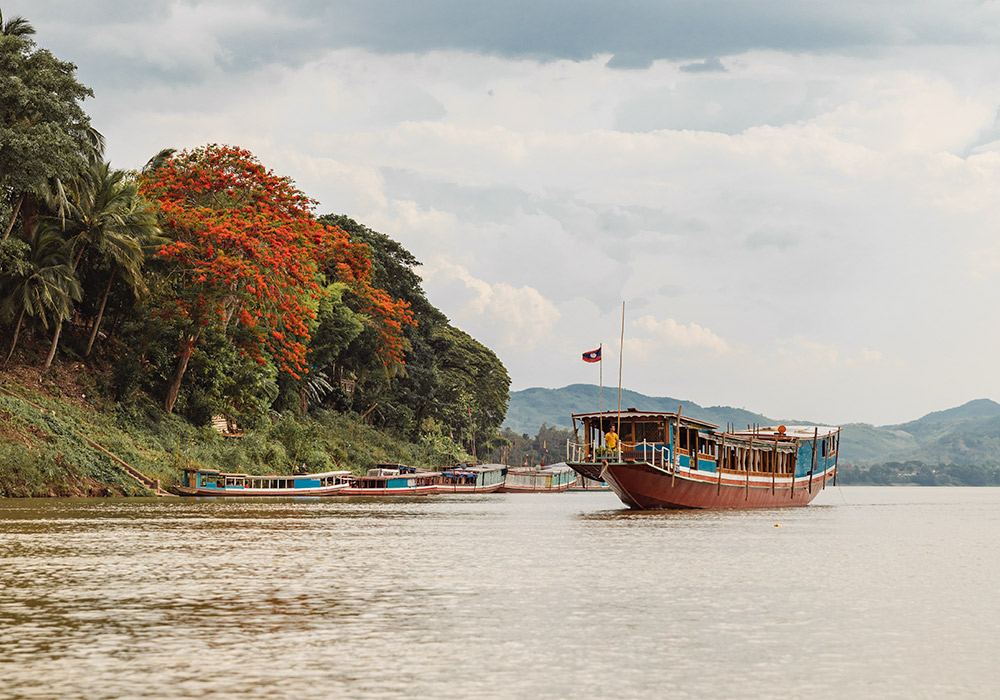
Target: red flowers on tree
(250, 251)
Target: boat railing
(576, 452)
(656, 453)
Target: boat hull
(462, 488)
(421, 490)
(643, 486)
(588, 470)
(506, 488)
(333, 490)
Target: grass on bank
(43, 453)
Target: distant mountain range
(967, 434)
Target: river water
(867, 593)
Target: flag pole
(600, 396)
(621, 347)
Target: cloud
(708, 65)
(672, 334)
(498, 312)
(235, 36)
(802, 351)
(834, 187)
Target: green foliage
(450, 379)
(44, 133)
(548, 446)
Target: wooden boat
(390, 480)
(666, 460)
(209, 482)
(551, 479)
(471, 478)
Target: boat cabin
(477, 475)
(553, 477)
(670, 440)
(197, 478)
(397, 476)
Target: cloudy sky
(798, 201)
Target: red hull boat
(664, 460)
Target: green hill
(974, 416)
(861, 443)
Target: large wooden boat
(471, 478)
(665, 460)
(551, 479)
(390, 480)
(210, 482)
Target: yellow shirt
(611, 440)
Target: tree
(247, 250)
(105, 212)
(16, 26)
(44, 133)
(474, 383)
(451, 380)
(42, 286)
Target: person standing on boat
(611, 439)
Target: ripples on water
(878, 593)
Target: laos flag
(592, 356)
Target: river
(867, 593)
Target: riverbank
(60, 437)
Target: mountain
(966, 434)
(530, 408)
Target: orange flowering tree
(246, 250)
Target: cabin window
(688, 438)
(648, 432)
(707, 447)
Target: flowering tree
(247, 250)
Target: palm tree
(18, 26)
(105, 212)
(43, 287)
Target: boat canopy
(632, 415)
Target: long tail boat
(210, 482)
(391, 480)
(552, 479)
(471, 478)
(666, 460)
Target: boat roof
(317, 475)
(486, 467)
(558, 467)
(633, 414)
(794, 432)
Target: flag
(592, 356)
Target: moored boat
(665, 460)
(390, 480)
(551, 479)
(471, 478)
(210, 482)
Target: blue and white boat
(210, 482)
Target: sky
(798, 202)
